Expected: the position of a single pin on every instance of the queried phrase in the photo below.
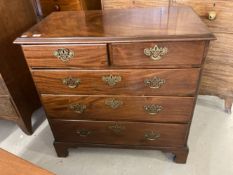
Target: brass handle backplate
(116, 128)
(113, 103)
(151, 135)
(71, 82)
(64, 54)
(156, 52)
(78, 108)
(154, 83)
(83, 132)
(153, 109)
(111, 80)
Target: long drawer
(55, 56)
(157, 54)
(177, 82)
(128, 108)
(120, 133)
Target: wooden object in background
(18, 96)
(45, 7)
(119, 104)
(124, 4)
(218, 71)
(217, 75)
(13, 165)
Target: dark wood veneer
(84, 56)
(133, 133)
(176, 23)
(3, 88)
(179, 82)
(20, 97)
(179, 54)
(174, 109)
(123, 35)
(7, 110)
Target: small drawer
(157, 54)
(124, 108)
(67, 5)
(7, 109)
(119, 133)
(60, 56)
(3, 88)
(49, 6)
(168, 82)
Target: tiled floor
(210, 143)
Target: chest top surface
(175, 23)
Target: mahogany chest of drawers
(119, 78)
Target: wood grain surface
(223, 8)
(217, 74)
(3, 88)
(133, 133)
(17, 16)
(180, 153)
(176, 23)
(13, 165)
(179, 82)
(130, 108)
(81, 103)
(121, 4)
(84, 56)
(179, 53)
(49, 6)
(7, 109)
(45, 7)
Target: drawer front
(7, 109)
(49, 6)
(159, 54)
(55, 56)
(119, 133)
(128, 108)
(120, 4)
(3, 88)
(177, 82)
(69, 5)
